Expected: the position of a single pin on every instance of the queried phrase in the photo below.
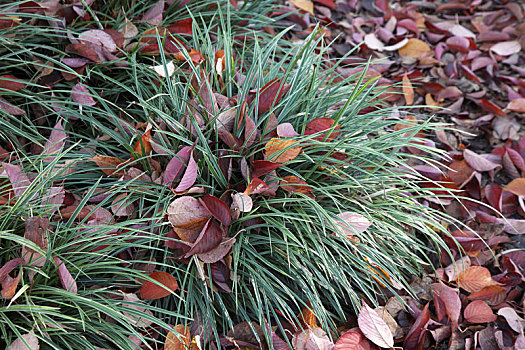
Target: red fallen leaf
(516, 158)
(286, 130)
(9, 286)
(409, 24)
(322, 124)
(447, 298)
(270, 94)
(109, 165)
(416, 335)
(352, 340)
(175, 165)
(194, 54)
(182, 27)
(209, 238)
(263, 167)
(80, 94)
(67, 281)
(374, 327)
(458, 43)
(490, 107)
(479, 312)
(189, 177)
(100, 38)
(256, 186)
(294, 184)
(493, 295)
(217, 208)
(516, 186)
(466, 240)
(85, 50)
(469, 74)
(493, 194)
(460, 172)
(8, 21)
(250, 131)
(151, 290)
(517, 105)
(10, 82)
(475, 278)
(327, 3)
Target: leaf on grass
(506, 48)
(449, 299)
(286, 130)
(9, 286)
(183, 26)
(479, 312)
(493, 295)
(294, 184)
(182, 342)
(188, 216)
(176, 164)
(271, 94)
(250, 131)
(109, 165)
(164, 70)
(98, 37)
(217, 208)
(374, 328)
(136, 304)
(209, 238)
(18, 179)
(352, 223)
(282, 151)
(153, 15)
(66, 279)
(305, 5)
(151, 290)
(9, 108)
(80, 94)
(123, 205)
(256, 186)
(478, 162)
(408, 90)
(56, 141)
(190, 175)
(414, 48)
(218, 252)
(263, 167)
(10, 266)
(27, 341)
(319, 125)
(242, 203)
(10, 82)
(475, 278)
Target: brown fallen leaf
(414, 48)
(408, 90)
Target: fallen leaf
(27, 341)
(282, 149)
(164, 71)
(321, 124)
(188, 216)
(270, 94)
(56, 141)
(189, 177)
(217, 208)
(153, 15)
(294, 184)
(286, 130)
(516, 186)
(18, 179)
(305, 5)
(414, 48)
(10, 82)
(352, 223)
(514, 321)
(374, 328)
(517, 105)
(493, 295)
(449, 298)
(479, 312)
(123, 205)
(352, 340)
(408, 90)
(98, 37)
(416, 335)
(174, 343)
(475, 278)
(108, 165)
(66, 279)
(312, 339)
(478, 162)
(80, 94)
(506, 48)
(9, 108)
(151, 290)
(218, 252)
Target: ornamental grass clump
(201, 189)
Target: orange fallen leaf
(430, 102)
(143, 146)
(516, 186)
(173, 343)
(109, 165)
(151, 290)
(305, 5)
(282, 150)
(294, 184)
(415, 48)
(408, 90)
(475, 278)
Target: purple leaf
(18, 179)
(217, 208)
(449, 299)
(175, 165)
(27, 341)
(9, 108)
(10, 266)
(250, 131)
(189, 176)
(286, 130)
(154, 14)
(209, 238)
(374, 328)
(68, 282)
(75, 62)
(478, 162)
(80, 94)
(98, 37)
(55, 142)
(218, 252)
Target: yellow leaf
(414, 48)
(305, 5)
(282, 149)
(430, 102)
(408, 90)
